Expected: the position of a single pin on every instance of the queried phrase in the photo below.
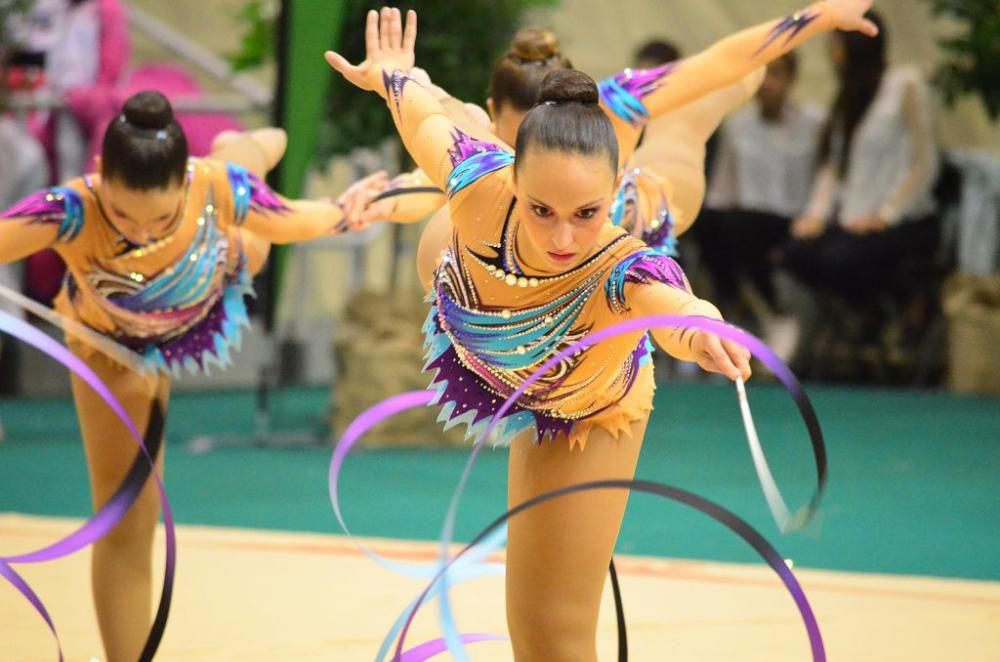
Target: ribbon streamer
(467, 571)
(732, 521)
(775, 502)
(644, 324)
(105, 520)
(756, 347)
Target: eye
(587, 214)
(540, 211)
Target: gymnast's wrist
(378, 76)
(701, 308)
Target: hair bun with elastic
(148, 110)
(568, 85)
(534, 44)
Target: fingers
(723, 363)
(410, 33)
(384, 28)
(715, 358)
(739, 356)
(380, 178)
(337, 61)
(356, 198)
(868, 28)
(378, 211)
(372, 33)
(395, 30)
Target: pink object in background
(94, 106)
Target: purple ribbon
(729, 519)
(430, 649)
(757, 348)
(24, 589)
(115, 509)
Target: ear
(491, 109)
(618, 178)
(99, 165)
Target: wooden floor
(257, 595)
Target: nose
(562, 237)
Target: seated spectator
(870, 225)
(760, 181)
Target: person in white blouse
(760, 181)
(872, 205)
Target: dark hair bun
(148, 110)
(533, 44)
(567, 85)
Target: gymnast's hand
(722, 356)
(355, 199)
(849, 16)
(388, 47)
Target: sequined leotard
(178, 301)
(494, 321)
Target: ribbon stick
(122, 355)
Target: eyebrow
(544, 204)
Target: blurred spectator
(83, 48)
(22, 171)
(870, 228)
(760, 181)
(654, 53)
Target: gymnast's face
(142, 216)
(562, 204)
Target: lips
(561, 257)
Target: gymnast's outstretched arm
(279, 220)
(634, 97)
(429, 133)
